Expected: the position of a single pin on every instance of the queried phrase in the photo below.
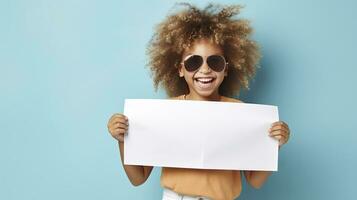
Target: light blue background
(66, 66)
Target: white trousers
(171, 195)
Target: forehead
(203, 47)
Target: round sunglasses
(215, 62)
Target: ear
(180, 70)
(226, 70)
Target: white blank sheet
(200, 134)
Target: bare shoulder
(224, 99)
(176, 98)
(228, 99)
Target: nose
(205, 69)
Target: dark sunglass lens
(216, 63)
(193, 63)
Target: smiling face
(204, 82)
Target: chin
(207, 93)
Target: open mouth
(205, 80)
(206, 83)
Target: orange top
(215, 184)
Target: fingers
(118, 126)
(283, 132)
(280, 131)
(279, 127)
(280, 124)
(282, 138)
(279, 136)
(117, 115)
(118, 120)
(119, 131)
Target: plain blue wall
(67, 65)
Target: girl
(201, 55)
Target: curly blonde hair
(215, 22)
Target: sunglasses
(215, 62)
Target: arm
(136, 174)
(117, 127)
(280, 131)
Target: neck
(214, 97)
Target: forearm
(136, 174)
(257, 178)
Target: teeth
(204, 79)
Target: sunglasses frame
(204, 60)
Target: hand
(118, 126)
(280, 131)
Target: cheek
(188, 78)
(220, 77)
(190, 75)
